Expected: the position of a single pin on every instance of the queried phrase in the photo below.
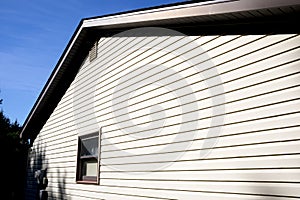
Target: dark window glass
(87, 166)
(89, 147)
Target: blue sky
(33, 36)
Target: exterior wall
(241, 141)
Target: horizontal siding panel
(273, 85)
(284, 161)
(70, 147)
(143, 57)
(152, 44)
(55, 134)
(236, 117)
(267, 87)
(60, 165)
(256, 155)
(205, 195)
(111, 192)
(223, 67)
(271, 98)
(58, 142)
(275, 175)
(114, 81)
(44, 146)
(201, 88)
(55, 173)
(57, 138)
(63, 159)
(107, 63)
(66, 154)
(61, 120)
(231, 139)
(224, 187)
(219, 152)
(61, 109)
(266, 47)
(249, 126)
(272, 136)
(293, 69)
(259, 89)
(167, 60)
(92, 192)
(192, 158)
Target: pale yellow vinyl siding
(257, 155)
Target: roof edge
(52, 76)
(191, 9)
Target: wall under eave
(251, 115)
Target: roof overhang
(202, 17)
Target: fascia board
(188, 10)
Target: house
(195, 100)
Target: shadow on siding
(36, 162)
(62, 185)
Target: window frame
(81, 159)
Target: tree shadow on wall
(36, 162)
(61, 176)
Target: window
(88, 159)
